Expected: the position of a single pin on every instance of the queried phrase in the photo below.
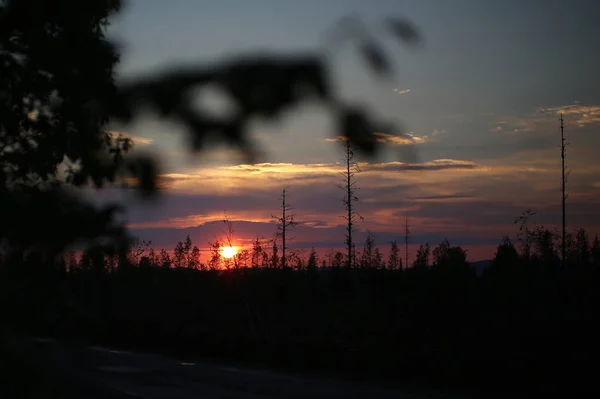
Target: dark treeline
(526, 322)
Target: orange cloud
(407, 139)
(200, 219)
(582, 114)
(137, 140)
(237, 178)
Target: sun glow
(229, 252)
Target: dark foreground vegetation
(524, 324)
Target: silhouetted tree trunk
(284, 222)
(406, 235)
(350, 198)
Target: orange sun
(228, 252)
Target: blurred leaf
(144, 170)
(375, 58)
(57, 92)
(354, 124)
(403, 30)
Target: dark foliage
(57, 92)
(523, 326)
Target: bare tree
(284, 223)
(138, 248)
(525, 234)
(257, 251)
(406, 235)
(215, 255)
(229, 234)
(565, 176)
(350, 199)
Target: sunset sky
(481, 97)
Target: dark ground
(77, 371)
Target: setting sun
(228, 252)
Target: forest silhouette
(527, 323)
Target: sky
(481, 98)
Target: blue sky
(485, 88)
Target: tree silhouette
(229, 235)
(446, 255)
(582, 247)
(394, 260)
(243, 258)
(275, 261)
(524, 234)
(284, 223)
(165, 259)
(257, 251)
(313, 260)
(179, 254)
(215, 255)
(194, 261)
(368, 253)
(338, 259)
(595, 252)
(187, 252)
(422, 258)
(406, 237)
(544, 241)
(350, 199)
(54, 66)
(506, 254)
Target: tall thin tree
(565, 176)
(350, 199)
(229, 238)
(284, 222)
(406, 234)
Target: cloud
(238, 178)
(443, 197)
(408, 138)
(436, 165)
(582, 115)
(137, 140)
